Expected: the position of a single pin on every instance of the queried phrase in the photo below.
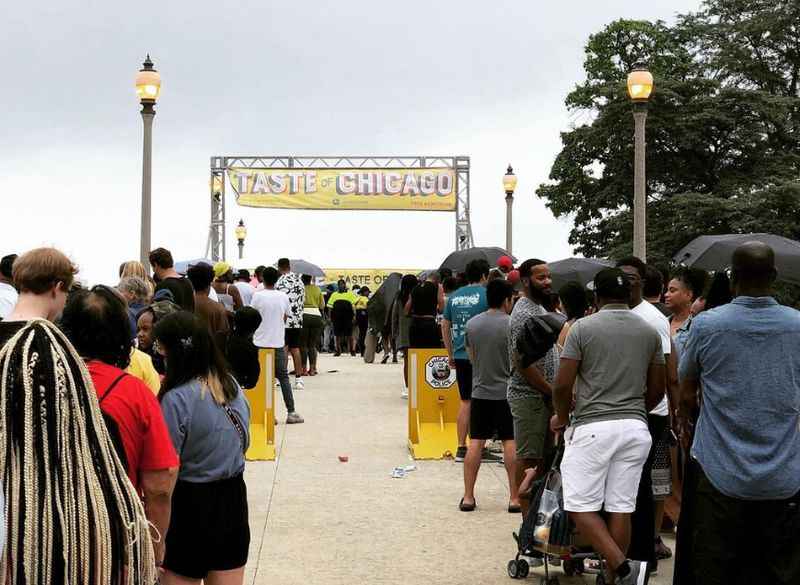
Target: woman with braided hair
(73, 516)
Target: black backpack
(113, 427)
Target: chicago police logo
(439, 374)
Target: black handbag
(538, 336)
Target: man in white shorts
(608, 358)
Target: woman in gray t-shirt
(208, 419)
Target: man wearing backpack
(608, 359)
(97, 324)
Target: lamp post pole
(148, 113)
(148, 86)
(509, 185)
(509, 221)
(639, 183)
(640, 86)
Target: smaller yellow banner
(371, 277)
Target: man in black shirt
(167, 278)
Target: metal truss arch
(216, 248)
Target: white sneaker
(404, 393)
(299, 384)
(637, 576)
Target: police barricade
(262, 410)
(433, 402)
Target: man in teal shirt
(462, 306)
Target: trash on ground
(344, 458)
(398, 473)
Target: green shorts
(531, 425)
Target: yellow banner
(371, 277)
(429, 189)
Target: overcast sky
(477, 78)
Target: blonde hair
(39, 270)
(136, 268)
(74, 515)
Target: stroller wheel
(569, 567)
(512, 569)
(523, 568)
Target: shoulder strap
(111, 386)
(236, 424)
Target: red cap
(513, 276)
(505, 263)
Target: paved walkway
(316, 520)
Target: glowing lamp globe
(509, 181)
(640, 84)
(148, 82)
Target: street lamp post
(241, 234)
(640, 86)
(509, 185)
(148, 86)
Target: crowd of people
(682, 387)
(119, 478)
(124, 412)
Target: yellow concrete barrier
(262, 410)
(433, 402)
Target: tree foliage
(723, 130)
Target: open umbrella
(582, 270)
(381, 300)
(305, 267)
(458, 260)
(715, 252)
(181, 266)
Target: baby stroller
(548, 534)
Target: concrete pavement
(316, 520)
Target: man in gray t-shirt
(607, 361)
(486, 340)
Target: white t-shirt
(212, 294)
(246, 291)
(8, 299)
(660, 323)
(273, 305)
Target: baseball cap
(221, 268)
(505, 262)
(612, 283)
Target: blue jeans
(282, 374)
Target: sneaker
(299, 384)
(404, 393)
(637, 576)
(293, 419)
(488, 457)
(494, 446)
(461, 452)
(662, 550)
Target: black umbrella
(582, 270)
(306, 267)
(458, 260)
(715, 252)
(381, 301)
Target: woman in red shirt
(97, 324)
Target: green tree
(722, 134)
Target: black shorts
(208, 528)
(464, 378)
(489, 419)
(292, 338)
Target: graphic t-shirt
(136, 411)
(463, 305)
(291, 284)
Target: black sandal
(514, 509)
(467, 507)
